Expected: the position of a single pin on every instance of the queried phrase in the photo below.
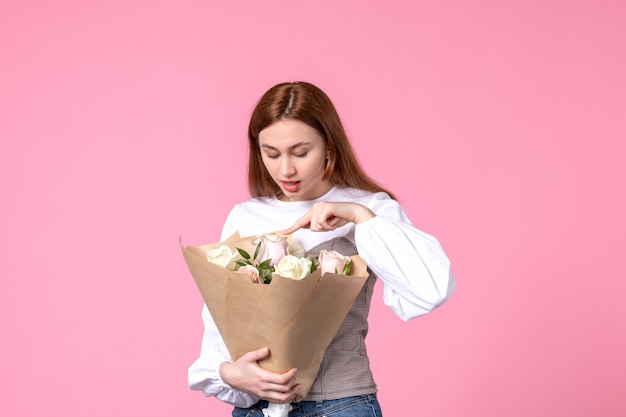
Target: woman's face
(294, 154)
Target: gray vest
(345, 369)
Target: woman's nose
(287, 167)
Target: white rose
(295, 248)
(293, 267)
(273, 246)
(221, 256)
(333, 262)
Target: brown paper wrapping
(297, 320)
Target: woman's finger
(303, 222)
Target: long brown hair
(308, 104)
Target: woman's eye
(271, 156)
(300, 155)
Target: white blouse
(411, 264)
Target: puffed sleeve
(412, 264)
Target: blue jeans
(359, 406)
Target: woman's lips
(291, 186)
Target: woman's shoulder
(361, 196)
(254, 203)
(246, 214)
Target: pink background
(500, 125)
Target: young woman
(305, 180)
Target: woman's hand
(325, 216)
(246, 375)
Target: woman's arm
(325, 216)
(413, 266)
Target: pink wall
(500, 125)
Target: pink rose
(333, 262)
(274, 247)
(252, 272)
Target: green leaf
(243, 253)
(266, 275)
(257, 250)
(265, 264)
(346, 268)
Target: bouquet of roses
(295, 314)
(273, 254)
